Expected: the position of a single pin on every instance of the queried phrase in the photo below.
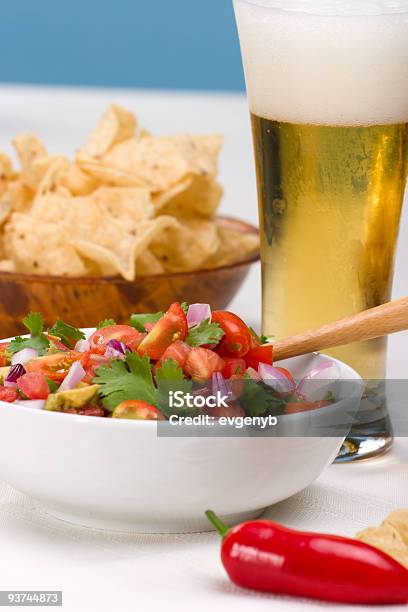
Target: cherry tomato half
(234, 366)
(170, 327)
(259, 354)
(178, 351)
(33, 385)
(8, 394)
(123, 333)
(4, 360)
(54, 366)
(201, 363)
(137, 409)
(237, 339)
(91, 362)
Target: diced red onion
(316, 382)
(75, 375)
(116, 349)
(24, 356)
(197, 313)
(219, 384)
(14, 374)
(253, 374)
(274, 378)
(82, 346)
(36, 404)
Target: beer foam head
(327, 62)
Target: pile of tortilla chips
(129, 204)
(391, 536)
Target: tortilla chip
(6, 172)
(5, 211)
(6, 265)
(127, 206)
(116, 125)
(17, 197)
(148, 264)
(110, 176)
(40, 248)
(193, 196)
(124, 204)
(391, 536)
(233, 246)
(186, 244)
(77, 182)
(399, 521)
(130, 203)
(29, 150)
(162, 162)
(116, 252)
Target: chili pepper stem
(218, 524)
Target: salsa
(130, 371)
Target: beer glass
(327, 84)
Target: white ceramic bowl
(117, 474)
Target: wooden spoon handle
(379, 321)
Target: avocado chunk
(72, 399)
(3, 374)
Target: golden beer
(327, 84)
(330, 200)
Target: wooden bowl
(84, 301)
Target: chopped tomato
(295, 407)
(8, 394)
(234, 366)
(4, 360)
(92, 410)
(170, 327)
(56, 343)
(123, 333)
(263, 353)
(91, 362)
(237, 339)
(202, 363)
(137, 409)
(33, 385)
(54, 366)
(178, 351)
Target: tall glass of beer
(327, 84)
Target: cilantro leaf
(205, 333)
(258, 399)
(68, 334)
(139, 320)
(260, 338)
(126, 380)
(106, 323)
(52, 385)
(34, 322)
(170, 377)
(184, 307)
(39, 343)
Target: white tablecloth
(100, 571)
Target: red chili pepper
(266, 556)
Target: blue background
(176, 44)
